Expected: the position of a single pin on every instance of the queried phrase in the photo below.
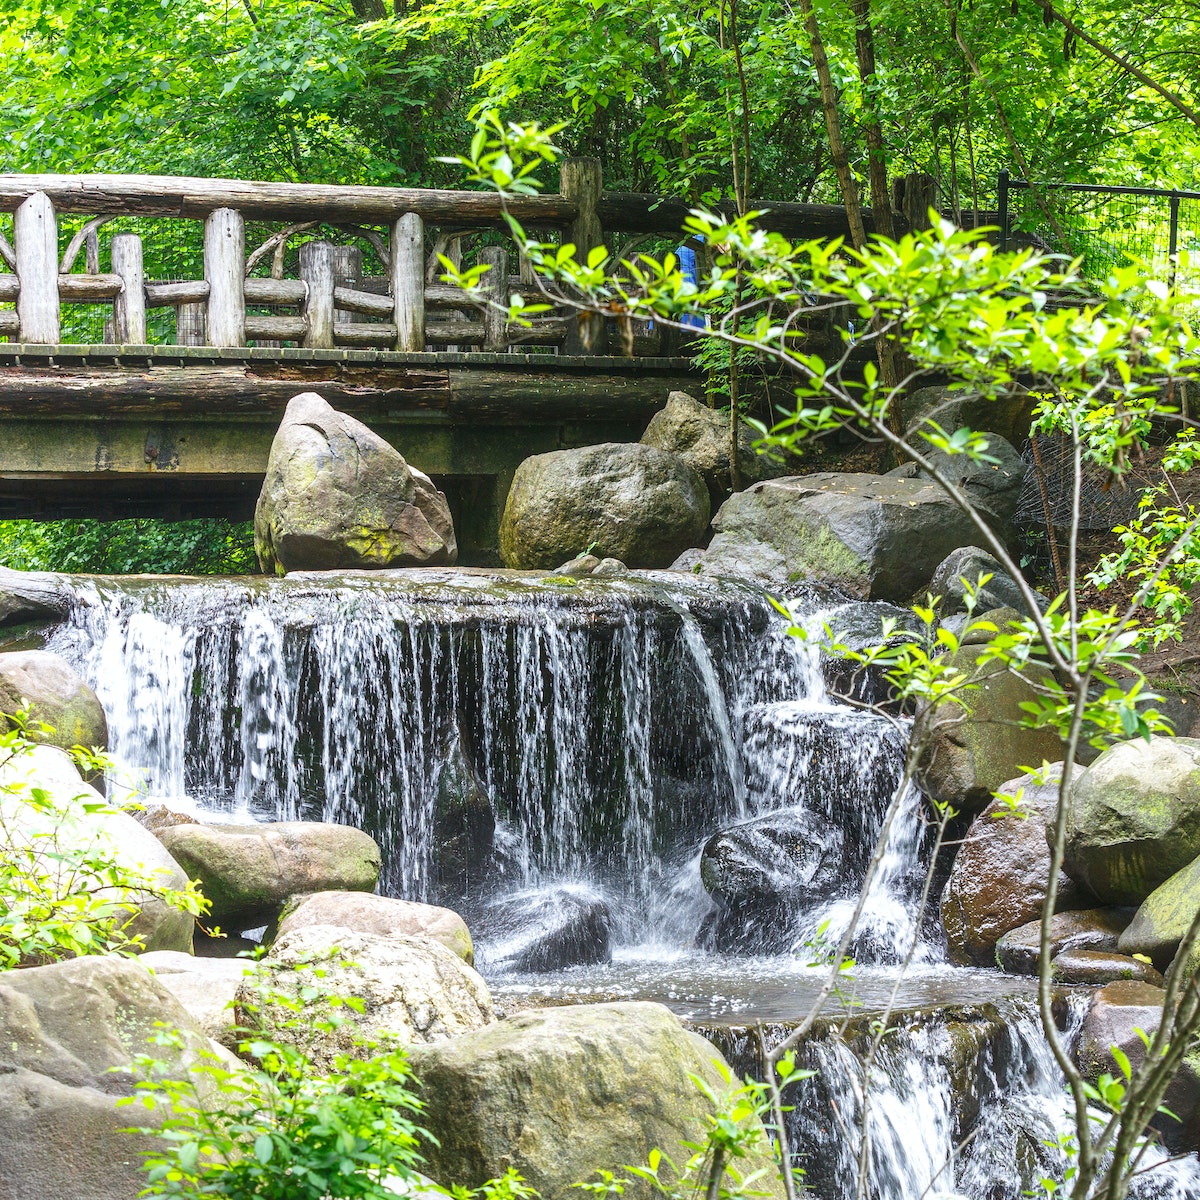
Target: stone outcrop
(248, 872)
(412, 989)
(381, 916)
(57, 696)
(1134, 819)
(700, 436)
(978, 742)
(69, 826)
(560, 1093)
(338, 496)
(1088, 929)
(1001, 872)
(621, 500)
(878, 537)
(69, 1037)
(546, 929)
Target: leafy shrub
(63, 892)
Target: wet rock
(971, 631)
(624, 500)
(545, 929)
(700, 436)
(69, 1037)
(877, 537)
(1134, 819)
(412, 989)
(610, 568)
(1095, 967)
(157, 817)
(249, 871)
(32, 596)
(205, 987)
(1164, 917)
(975, 746)
(970, 563)
(57, 696)
(579, 567)
(380, 916)
(464, 822)
(1089, 929)
(337, 495)
(1000, 874)
(70, 828)
(560, 1093)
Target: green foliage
(63, 890)
(145, 546)
(284, 1129)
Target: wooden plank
(274, 291)
(179, 196)
(279, 329)
(352, 300)
(89, 289)
(35, 237)
(129, 306)
(224, 269)
(168, 295)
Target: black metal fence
(1106, 226)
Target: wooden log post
(189, 323)
(408, 282)
(318, 269)
(347, 273)
(129, 305)
(35, 231)
(581, 181)
(495, 319)
(224, 271)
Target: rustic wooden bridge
(179, 423)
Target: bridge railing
(329, 303)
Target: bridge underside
(178, 431)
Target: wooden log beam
(89, 289)
(9, 325)
(317, 271)
(368, 303)
(169, 295)
(274, 291)
(408, 282)
(224, 269)
(275, 329)
(35, 237)
(172, 196)
(129, 305)
(9, 286)
(455, 332)
(359, 333)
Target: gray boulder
(381, 916)
(1000, 874)
(248, 872)
(622, 500)
(953, 408)
(57, 696)
(32, 596)
(700, 436)
(561, 1093)
(69, 1036)
(338, 496)
(976, 741)
(68, 827)
(205, 987)
(970, 563)
(412, 990)
(1134, 819)
(545, 929)
(877, 537)
(1090, 929)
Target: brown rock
(57, 696)
(157, 817)
(1100, 967)
(1091, 929)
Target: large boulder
(248, 872)
(32, 596)
(875, 536)
(561, 1093)
(976, 741)
(621, 500)
(1001, 874)
(411, 989)
(70, 1035)
(970, 563)
(1088, 929)
(1164, 917)
(700, 436)
(206, 987)
(78, 824)
(545, 929)
(955, 408)
(1094, 968)
(364, 912)
(57, 696)
(338, 496)
(1134, 818)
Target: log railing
(330, 303)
